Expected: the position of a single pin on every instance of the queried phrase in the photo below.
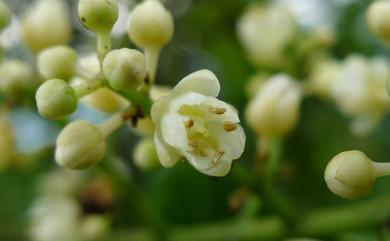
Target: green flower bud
(46, 24)
(98, 15)
(150, 24)
(378, 18)
(5, 15)
(124, 68)
(80, 145)
(350, 174)
(145, 155)
(57, 62)
(15, 78)
(56, 99)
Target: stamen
(189, 123)
(217, 156)
(216, 110)
(229, 126)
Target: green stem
(152, 55)
(103, 44)
(138, 99)
(87, 87)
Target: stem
(152, 55)
(103, 44)
(87, 87)
(382, 169)
(115, 121)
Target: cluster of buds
(188, 122)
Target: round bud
(56, 99)
(150, 24)
(145, 155)
(15, 77)
(57, 62)
(5, 15)
(350, 174)
(80, 145)
(105, 100)
(124, 68)
(46, 24)
(98, 15)
(378, 18)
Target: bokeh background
(179, 203)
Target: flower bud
(150, 24)
(56, 99)
(57, 62)
(15, 77)
(94, 227)
(275, 108)
(98, 15)
(105, 100)
(80, 145)
(124, 68)
(5, 15)
(350, 174)
(46, 24)
(378, 19)
(145, 155)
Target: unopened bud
(80, 145)
(378, 18)
(124, 68)
(15, 77)
(98, 15)
(57, 62)
(145, 155)
(56, 99)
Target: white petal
(167, 155)
(159, 107)
(203, 164)
(203, 81)
(189, 98)
(220, 170)
(232, 143)
(199, 162)
(174, 132)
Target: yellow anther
(189, 123)
(229, 126)
(216, 110)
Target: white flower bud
(5, 15)
(350, 174)
(274, 110)
(191, 122)
(7, 145)
(322, 76)
(56, 99)
(80, 145)
(124, 68)
(105, 100)
(150, 24)
(15, 77)
(57, 62)
(145, 155)
(378, 18)
(98, 15)
(47, 23)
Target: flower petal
(174, 132)
(189, 98)
(167, 155)
(230, 113)
(220, 170)
(203, 81)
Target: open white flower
(191, 122)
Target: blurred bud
(124, 69)
(94, 227)
(350, 174)
(144, 126)
(255, 82)
(150, 24)
(7, 145)
(56, 99)
(378, 18)
(274, 110)
(15, 78)
(5, 15)
(80, 145)
(57, 62)
(321, 78)
(47, 23)
(265, 32)
(98, 15)
(105, 100)
(145, 155)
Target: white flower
(191, 122)
(274, 110)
